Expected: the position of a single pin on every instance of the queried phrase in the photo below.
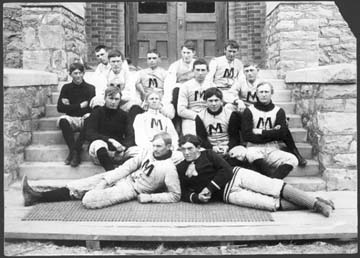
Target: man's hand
(65, 101)
(84, 104)
(204, 195)
(144, 198)
(101, 185)
(257, 131)
(277, 127)
(117, 145)
(240, 105)
(222, 150)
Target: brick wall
(105, 24)
(246, 26)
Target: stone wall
(25, 94)
(300, 34)
(12, 36)
(325, 97)
(53, 38)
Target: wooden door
(166, 25)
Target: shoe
(302, 162)
(328, 202)
(31, 197)
(322, 207)
(75, 161)
(68, 158)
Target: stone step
(54, 152)
(309, 184)
(299, 134)
(58, 170)
(51, 111)
(289, 107)
(48, 137)
(268, 74)
(294, 120)
(278, 84)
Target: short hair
(251, 64)
(201, 61)
(191, 139)
(99, 47)
(231, 43)
(151, 92)
(266, 83)
(189, 44)
(153, 51)
(116, 53)
(166, 137)
(112, 90)
(76, 66)
(213, 91)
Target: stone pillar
(25, 94)
(325, 97)
(307, 34)
(53, 36)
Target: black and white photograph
(180, 128)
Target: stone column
(53, 36)
(325, 97)
(25, 95)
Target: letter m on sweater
(264, 125)
(153, 83)
(147, 167)
(217, 129)
(229, 73)
(156, 123)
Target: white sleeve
(141, 137)
(174, 136)
(212, 69)
(124, 170)
(172, 184)
(183, 104)
(169, 83)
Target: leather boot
(68, 158)
(31, 196)
(302, 161)
(322, 207)
(75, 161)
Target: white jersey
(150, 123)
(191, 98)
(245, 91)
(148, 175)
(152, 79)
(216, 126)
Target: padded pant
(251, 189)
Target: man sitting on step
(74, 101)
(205, 176)
(110, 133)
(142, 177)
(244, 95)
(263, 125)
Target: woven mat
(154, 212)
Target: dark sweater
(211, 169)
(105, 123)
(75, 94)
(269, 135)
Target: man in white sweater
(152, 122)
(140, 177)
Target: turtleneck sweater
(105, 123)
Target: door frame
(131, 48)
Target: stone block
(59, 59)
(300, 44)
(29, 38)
(37, 60)
(353, 145)
(51, 36)
(330, 105)
(300, 55)
(328, 41)
(338, 73)
(346, 160)
(340, 179)
(337, 122)
(338, 91)
(23, 138)
(335, 143)
(308, 24)
(38, 112)
(299, 35)
(31, 19)
(285, 25)
(17, 111)
(27, 77)
(52, 19)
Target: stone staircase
(44, 158)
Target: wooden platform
(288, 225)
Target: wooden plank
(93, 244)
(222, 27)
(131, 48)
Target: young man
(246, 96)
(74, 101)
(226, 71)
(263, 126)
(153, 77)
(110, 133)
(179, 72)
(141, 177)
(152, 122)
(191, 96)
(215, 126)
(205, 176)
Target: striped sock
(298, 196)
